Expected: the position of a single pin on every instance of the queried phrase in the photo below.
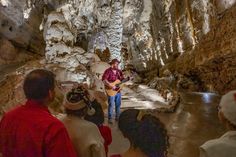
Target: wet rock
(186, 84)
(166, 86)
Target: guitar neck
(123, 81)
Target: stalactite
(177, 26)
(190, 19)
(115, 30)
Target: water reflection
(201, 98)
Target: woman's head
(145, 132)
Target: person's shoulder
(212, 144)
(108, 69)
(16, 111)
(93, 132)
(53, 124)
(93, 128)
(91, 125)
(218, 148)
(52, 121)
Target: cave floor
(194, 122)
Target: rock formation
(187, 37)
(169, 46)
(194, 38)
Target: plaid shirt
(110, 76)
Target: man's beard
(114, 68)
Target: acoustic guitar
(119, 84)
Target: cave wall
(19, 24)
(196, 38)
(136, 34)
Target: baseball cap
(228, 106)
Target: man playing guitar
(110, 77)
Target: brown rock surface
(204, 35)
(7, 50)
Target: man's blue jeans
(114, 100)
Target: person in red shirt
(30, 130)
(109, 76)
(98, 119)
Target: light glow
(5, 3)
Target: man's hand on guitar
(115, 88)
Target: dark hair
(38, 83)
(98, 117)
(148, 134)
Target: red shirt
(106, 134)
(31, 131)
(110, 76)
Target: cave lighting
(26, 13)
(206, 8)
(151, 95)
(180, 46)
(5, 3)
(206, 98)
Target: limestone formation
(12, 92)
(19, 23)
(183, 36)
(189, 35)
